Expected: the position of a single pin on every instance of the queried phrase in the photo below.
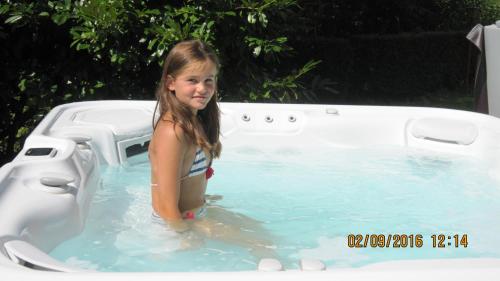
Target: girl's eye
(210, 80)
(192, 80)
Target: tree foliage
(63, 51)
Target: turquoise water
(301, 205)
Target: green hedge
(62, 51)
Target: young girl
(183, 145)
(186, 136)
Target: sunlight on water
(300, 205)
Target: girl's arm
(170, 150)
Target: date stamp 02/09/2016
(439, 241)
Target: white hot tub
(45, 199)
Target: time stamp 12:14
(406, 240)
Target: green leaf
(22, 85)
(159, 52)
(263, 19)
(99, 84)
(281, 39)
(81, 46)
(4, 9)
(59, 19)
(21, 132)
(153, 12)
(152, 44)
(267, 94)
(13, 19)
(251, 18)
(43, 14)
(256, 51)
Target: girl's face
(195, 85)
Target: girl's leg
(236, 229)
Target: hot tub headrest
(445, 130)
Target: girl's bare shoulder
(169, 134)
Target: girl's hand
(179, 226)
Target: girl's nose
(201, 88)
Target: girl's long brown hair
(183, 54)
